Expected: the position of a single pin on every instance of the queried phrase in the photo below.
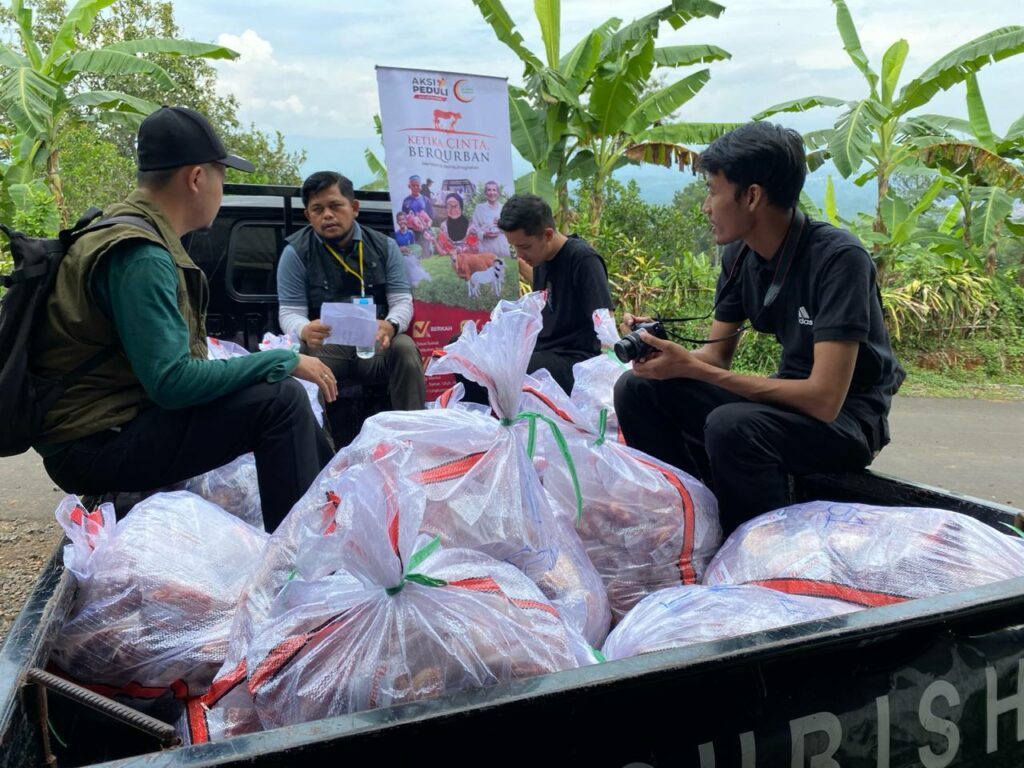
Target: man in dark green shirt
(156, 411)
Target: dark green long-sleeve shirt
(136, 287)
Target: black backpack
(25, 397)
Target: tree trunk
(879, 226)
(990, 259)
(596, 206)
(968, 240)
(563, 206)
(56, 185)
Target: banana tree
(979, 168)
(40, 91)
(872, 129)
(377, 168)
(590, 111)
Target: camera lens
(625, 349)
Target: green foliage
(757, 353)
(35, 210)
(875, 130)
(663, 230)
(95, 145)
(274, 163)
(585, 113)
(377, 168)
(659, 258)
(29, 208)
(44, 87)
(6, 261)
(128, 21)
(96, 172)
(939, 299)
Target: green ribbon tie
(611, 353)
(602, 425)
(418, 578)
(1014, 528)
(563, 447)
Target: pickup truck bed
(931, 682)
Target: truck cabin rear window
(253, 251)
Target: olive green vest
(75, 329)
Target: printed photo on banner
(448, 152)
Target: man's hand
(313, 370)
(385, 333)
(314, 333)
(668, 360)
(628, 320)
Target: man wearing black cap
(129, 305)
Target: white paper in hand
(354, 325)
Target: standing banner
(448, 151)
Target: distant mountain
(657, 185)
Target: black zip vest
(327, 280)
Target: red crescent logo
(463, 91)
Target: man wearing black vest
(813, 287)
(333, 259)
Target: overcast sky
(307, 67)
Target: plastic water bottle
(368, 351)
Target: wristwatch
(393, 325)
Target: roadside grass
(962, 383)
(984, 369)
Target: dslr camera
(630, 347)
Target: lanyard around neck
(359, 274)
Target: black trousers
(399, 366)
(742, 450)
(162, 447)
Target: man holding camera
(808, 283)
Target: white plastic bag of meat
(157, 592)
(646, 525)
(866, 555)
(453, 398)
(481, 492)
(497, 358)
(219, 349)
(682, 616)
(418, 620)
(234, 488)
(593, 389)
(310, 535)
(286, 341)
(222, 350)
(227, 708)
(283, 341)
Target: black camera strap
(784, 259)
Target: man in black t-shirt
(812, 286)
(574, 276)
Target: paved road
(975, 447)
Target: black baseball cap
(175, 136)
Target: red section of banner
(433, 326)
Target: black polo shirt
(829, 294)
